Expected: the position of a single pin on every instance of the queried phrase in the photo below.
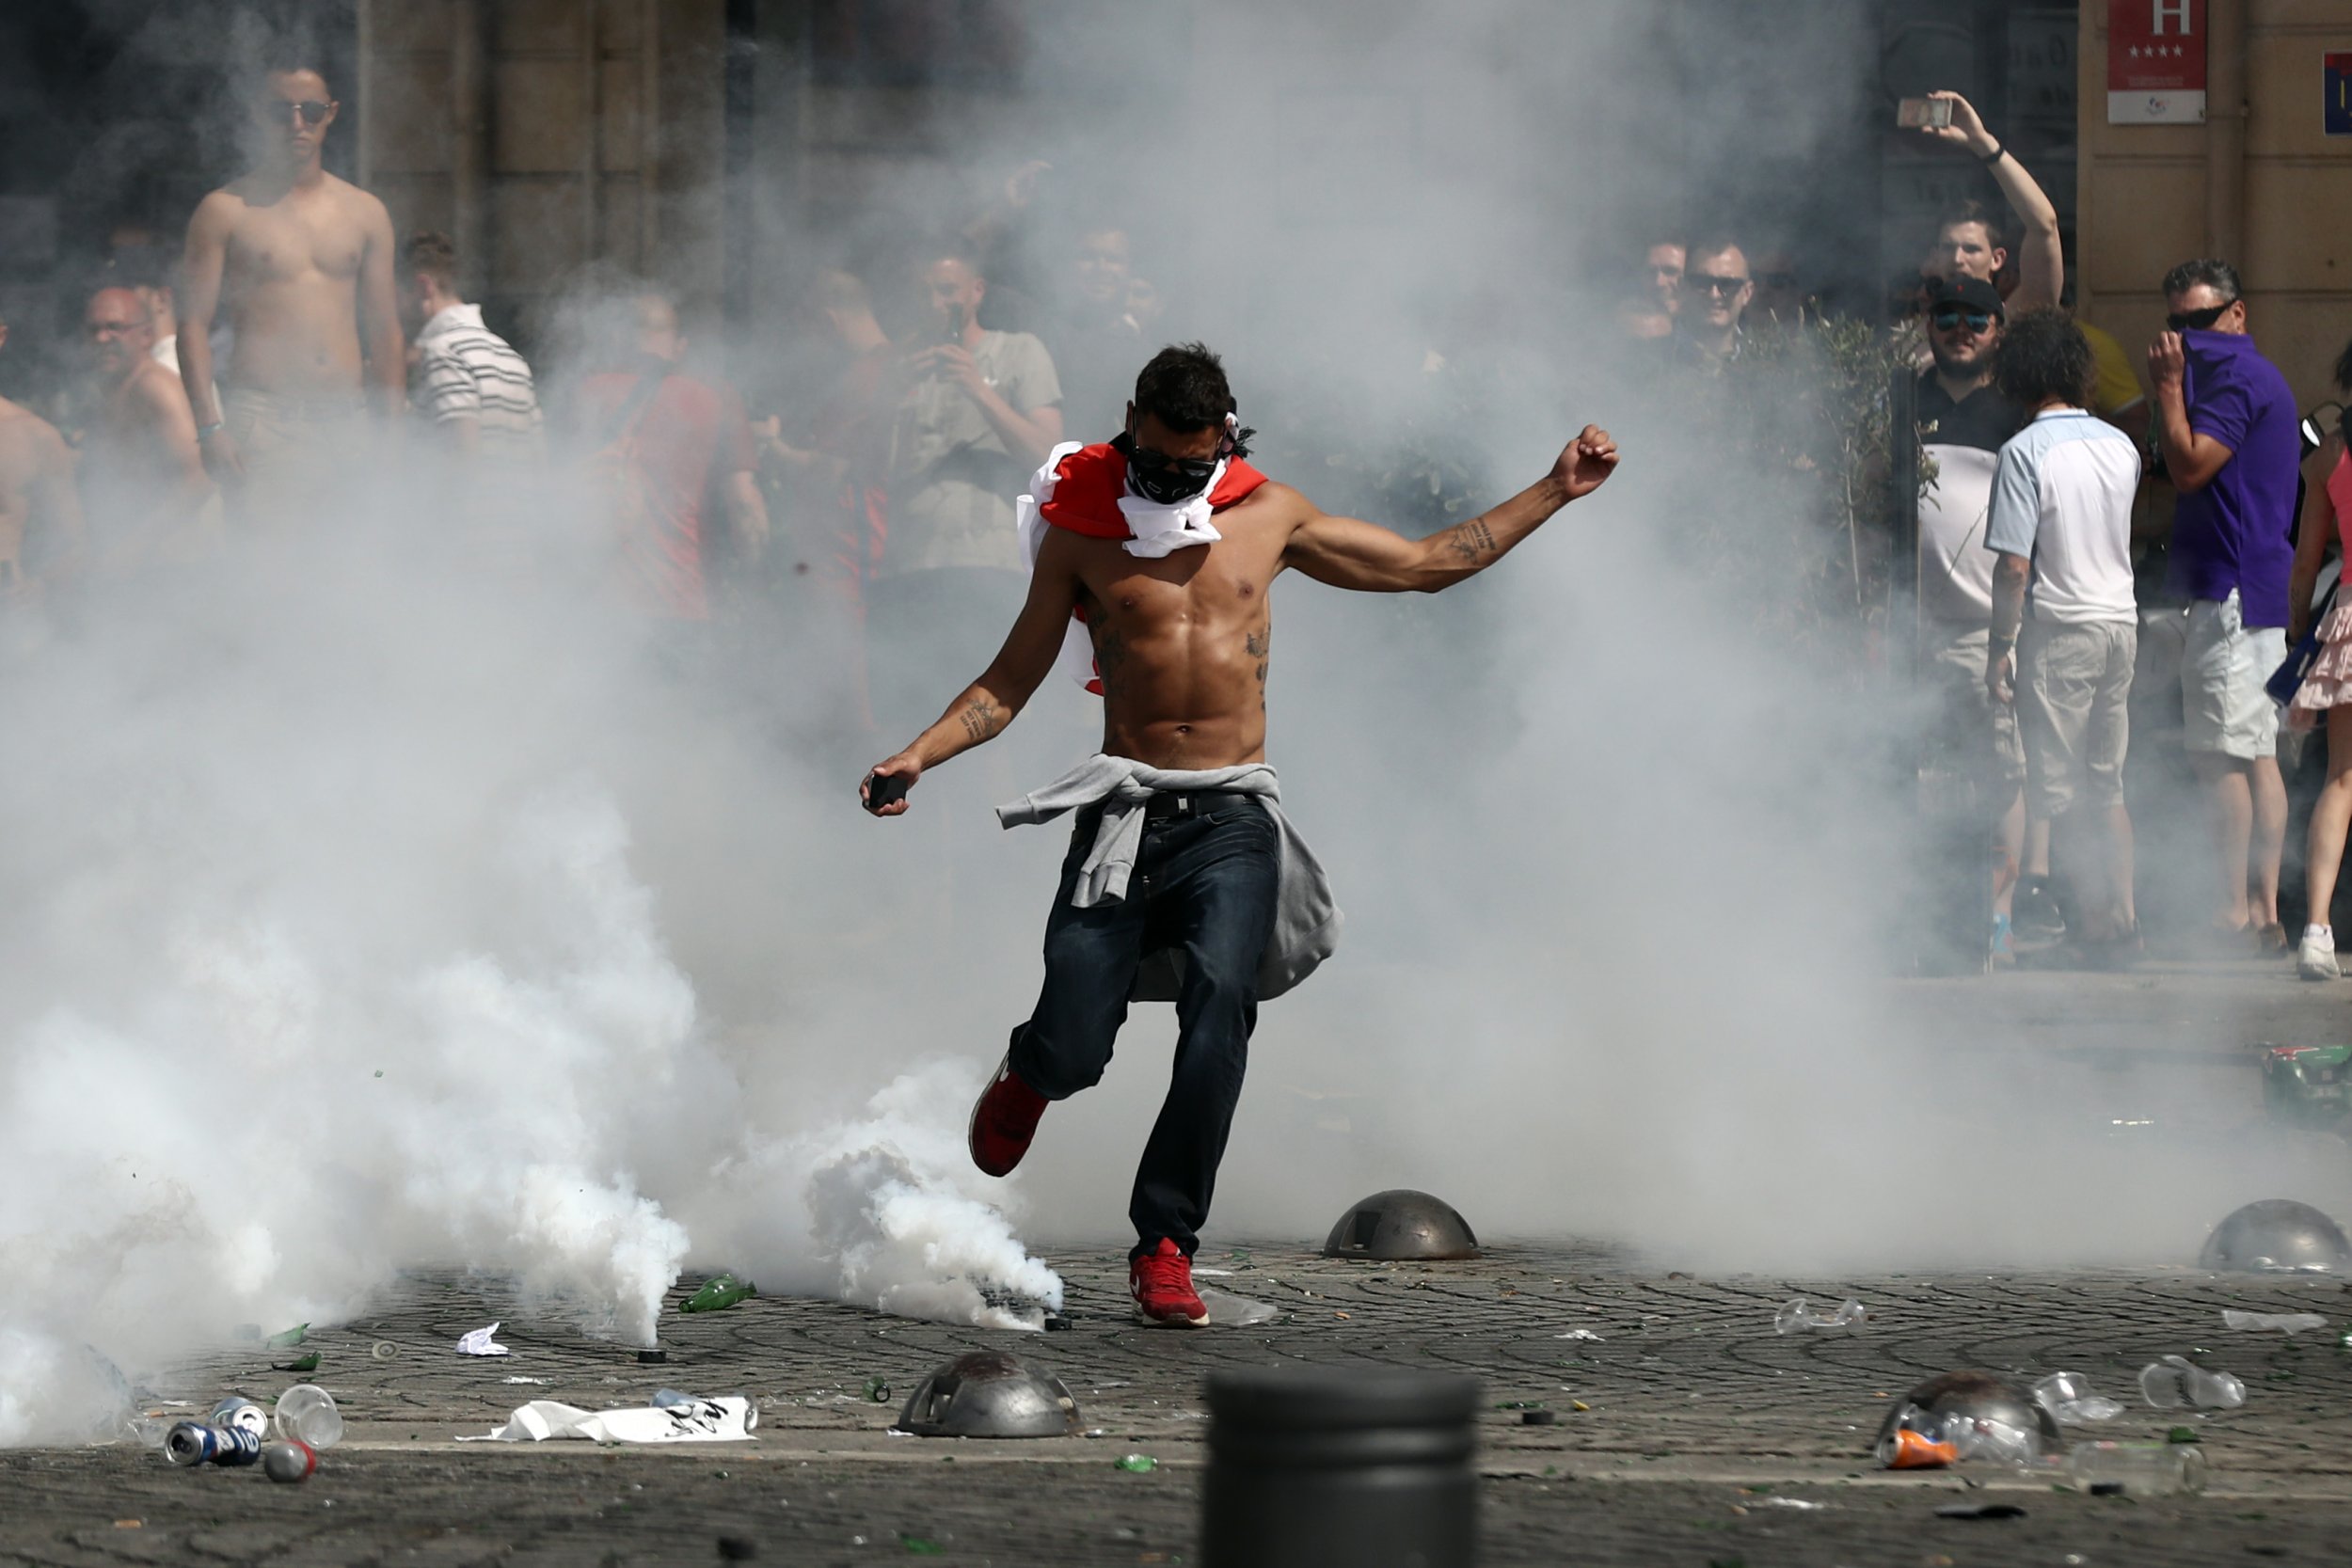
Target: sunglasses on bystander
(2198, 321)
(1976, 321)
(310, 109)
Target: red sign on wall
(2155, 62)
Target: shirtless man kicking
(41, 517)
(143, 482)
(1184, 881)
(303, 261)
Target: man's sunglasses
(1976, 321)
(310, 109)
(115, 329)
(2198, 321)
(1709, 284)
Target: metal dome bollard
(988, 1393)
(2277, 1235)
(1401, 1224)
(1980, 1396)
(1341, 1467)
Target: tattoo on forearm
(1472, 543)
(981, 717)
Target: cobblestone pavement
(1687, 1431)
(1703, 1426)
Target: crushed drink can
(208, 1443)
(288, 1460)
(238, 1411)
(1906, 1450)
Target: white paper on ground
(1231, 1311)
(728, 1419)
(477, 1342)
(2291, 1323)
(1576, 1334)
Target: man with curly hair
(2062, 521)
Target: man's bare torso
(1184, 642)
(36, 469)
(291, 283)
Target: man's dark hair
(1714, 245)
(288, 56)
(2214, 274)
(2042, 355)
(1972, 210)
(1185, 389)
(430, 254)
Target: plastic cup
(307, 1415)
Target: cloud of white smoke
(373, 904)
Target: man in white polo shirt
(2061, 523)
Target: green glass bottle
(719, 1290)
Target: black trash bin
(1340, 1467)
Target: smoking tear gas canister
(288, 1460)
(203, 1443)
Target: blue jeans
(1205, 884)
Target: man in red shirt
(665, 443)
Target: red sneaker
(1161, 1282)
(1003, 1119)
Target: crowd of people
(2080, 544)
(225, 374)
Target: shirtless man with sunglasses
(1167, 544)
(303, 263)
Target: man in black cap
(1963, 421)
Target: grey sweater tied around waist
(1306, 922)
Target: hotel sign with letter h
(2155, 62)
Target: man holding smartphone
(1967, 241)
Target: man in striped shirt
(466, 380)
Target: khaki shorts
(2223, 665)
(301, 454)
(1968, 733)
(2073, 697)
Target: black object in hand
(882, 788)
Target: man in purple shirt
(2228, 424)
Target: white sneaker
(2316, 958)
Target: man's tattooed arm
(981, 717)
(1471, 544)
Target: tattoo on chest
(1472, 543)
(981, 717)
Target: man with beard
(1964, 420)
(1184, 881)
